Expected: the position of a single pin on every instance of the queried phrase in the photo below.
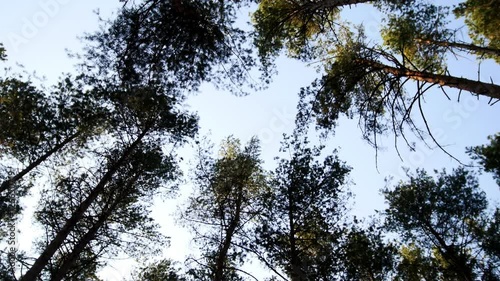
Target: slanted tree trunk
(7, 183)
(90, 235)
(53, 246)
(476, 87)
(458, 264)
(478, 50)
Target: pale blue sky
(37, 36)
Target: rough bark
(476, 87)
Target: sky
(37, 33)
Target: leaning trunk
(477, 50)
(480, 88)
(7, 183)
(90, 235)
(42, 261)
(79, 247)
(458, 264)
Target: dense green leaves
(26, 118)
(489, 156)
(443, 216)
(107, 137)
(411, 33)
(481, 18)
(362, 77)
(290, 24)
(367, 256)
(299, 231)
(415, 265)
(163, 270)
(174, 45)
(226, 200)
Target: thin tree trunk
(79, 247)
(7, 183)
(58, 240)
(222, 255)
(476, 87)
(449, 253)
(478, 50)
(90, 235)
(296, 271)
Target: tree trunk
(222, 255)
(459, 266)
(7, 183)
(295, 268)
(476, 87)
(478, 50)
(90, 235)
(58, 240)
(79, 247)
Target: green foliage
(407, 32)
(99, 207)
(105, 134)
(356, 84)
(127, 101)
(362, 78)
(442, 216)
(26, 116)
(163, 270)
(228, 189)
(117, 190)
(175, 45)
(150, 109)
(367, 256)
(300, 227)
(33, 122)
(488, 156)
(453, 197)
(415, 265)
(37, 125)
(481, 18)
(117, 221)
(289, 24)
